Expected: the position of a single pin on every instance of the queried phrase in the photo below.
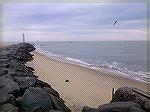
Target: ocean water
(125, 58)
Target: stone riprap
(125, 99)
(20, 89)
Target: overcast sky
(74, 21)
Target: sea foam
(111, 68)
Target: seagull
(115, 23)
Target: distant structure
(115, 23)
(23, 38)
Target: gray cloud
(73, 21)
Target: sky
(74, 21)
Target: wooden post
(113, 90)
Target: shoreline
(86, 86)
(101, 70)
(137, 76)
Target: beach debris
(67, 80)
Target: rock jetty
(125, 99)
(20, 89)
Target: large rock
(26, 47)
(51, 91)
(88, 109)
(135, 109)
(55, 111)
(21, 47)
(34, 98)
(25, 82)
(20, 67)
(8, 108)
(113, 107)
(59, 104)
(42, 84)
(21, 52)
(127, 94)
(3, 72)
(8, 86)
(20, 74)
(23, 56)
(118, 106)
(8, 76)
(4, 65)
(7, 98)
(147, 105)
(4, 60)
(4, 53)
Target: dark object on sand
(67, 80)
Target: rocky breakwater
(125, 99)
(20, 89)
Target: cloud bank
(75, 21)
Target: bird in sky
(115, 23)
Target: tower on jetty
(23, 38)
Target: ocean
(124, 58)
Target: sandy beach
(86, 87)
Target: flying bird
(115, 23)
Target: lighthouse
(23, 38)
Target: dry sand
(86, 87)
